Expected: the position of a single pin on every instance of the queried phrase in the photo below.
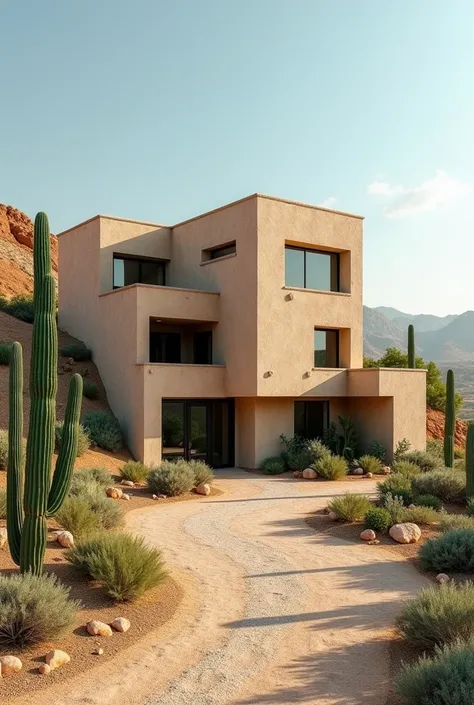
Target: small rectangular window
(311, 269)
(212, 253)
(135, 270)
(326, 348)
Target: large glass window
(326, 348)
(133, 270)
(165, 347)
(311, 269)
(311, 418)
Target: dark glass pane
(203, 348)
(318, 271)
(222, 251)
(197, 435)
(294, 267)
(165, 347)
(131, 271)
(332, 348)
(316, 418)
(172, 436)
(300, 424)
(335, 260)
(220, 434)
(320, 353)
(152, 273)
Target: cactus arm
(15, 453)
(450, 421)
(68, 450)
(411, 348)
(470, 460)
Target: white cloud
(329, 202)
(437, 191)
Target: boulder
(65, 539)
(114, 492)
(405, 533)
(44, 669)
(9, 665)
(128, 483)
(126, 497)
(368, 475)
(310, 474)
(56, 658)
(386, 470)
(204, 489)
(297, 473)
(96, 628)
(368, 535)
(375, 542)
(333, 516)
(120, 624)
(442, 578)
(3, 537)
(357, 471)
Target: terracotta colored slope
(435, 428)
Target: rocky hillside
(16, 252)
(435, 428)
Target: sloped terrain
(435, 428)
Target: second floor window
(311, 269)
(326, 348)
(136, 270)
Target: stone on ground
(204, 489)
(96, 628)
(9, 665)
(405, 533)
(128, 483)
(310, 474)
(120, 624)
(442, 578)
(126, 497)
(297, 473)
(114, 492)
(333, 516)
(65, 539)
(44, 669)
(368, 535)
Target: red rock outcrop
(435, 428)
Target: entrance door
(311, 418)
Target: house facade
(216, 335)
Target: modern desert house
(216, 335)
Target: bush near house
(421, 515)
(451, 552)
(124, 565)
(100, 476)
(378, 519)
(317, 450)
(350, 507)
(405, 467)
(273, 466)
(398, 485)
(448, 485)
(424, 460)
(370, 463)
(395, 507)
(429, 500)
(20, 307)
(83, 441)
(103, 430)
(78, 351)
(377, 450)
(295, 454)
(5, 353)
(202, 472)
(76, 516)
(87, 508)
(34, 609)
(171, 479)
(449, 522)
(134, 471)
(331, 467)
(89, 389)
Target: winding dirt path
(274, 614)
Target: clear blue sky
(160, 110)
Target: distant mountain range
(447, 340)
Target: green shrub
(459, 453)
(100, 475)
(448, 485)
(378, 519)
(425, 460)
(396, 485)
(134, 471)
(451, 552)
(296, 454)
(350, 507)
(3, 504)
(5, 353)
(83, 442)
(89, 389)
(104, 430)
(470, 506)
(274, 465)
(402, 448)
(428, 500)
(34, 609)
(377, 450)
(88, 486)
(20, 307)
(405, 467)
(369, 463)
(202, 472)
(331, 467)
(77, 516)
(317, 450)
(447, 678)
(438, 616)
(78, 351)
(171, 479)
(395, 507)
(449, 522)
(124, 565)
(109, 511)
(421, 515)
(435, 449)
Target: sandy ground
(273, 613)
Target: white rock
(386, 470)
(56, 658)
(411, 506)
(44, 669)
(96, 628)
(98, 652)
(155, 497)
(9, 665)
(126, 497)
(310, 474)
(368, 475)
(442, 578)
(3, 537)
(333, 516)
(65, 539)
(114, 492)
(357, 471)
(368, 535)
(120, 624)
(204, 489)
(405, 533)
(128, 483)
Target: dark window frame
(139, 259)
(306, 415)
(338, 340)
(196, 335)
(334, 256)
(210, 254)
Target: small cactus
(450, 421)
(470, 460)
(411, 347)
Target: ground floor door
(311, 418)
(199, 429)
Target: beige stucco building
(216, 335)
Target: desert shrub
(5, 353)
(109, 511)
(3, 504)
(470, 506)
(425, 461)
(104, 430)
(396, 485)
(395, 507)
(401, 449)
(134, 471)
(377, 450)
(459, 453)
(438, 616)
(317, 450)
(421, 515)
(331, 467)
(88, 486)
(447, 678)
(428, 500)
(20, 307)
(83, 442)
(369, 463)
(273, 466)
(202, 472)
(451, 552)
(448, 485)
(449, 522)
(99, 475)
(77, 516)
(89, 389)
(378, 519)
(350, 507)
(295, 454)
(33, 609)
(78, 351)
(171, 479)
(124, 565)
(405, 467)
(435, 448)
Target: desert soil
(272, 612)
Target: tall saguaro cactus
(470, 460)
(450, 421)
(31, 495)
(411, 347)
